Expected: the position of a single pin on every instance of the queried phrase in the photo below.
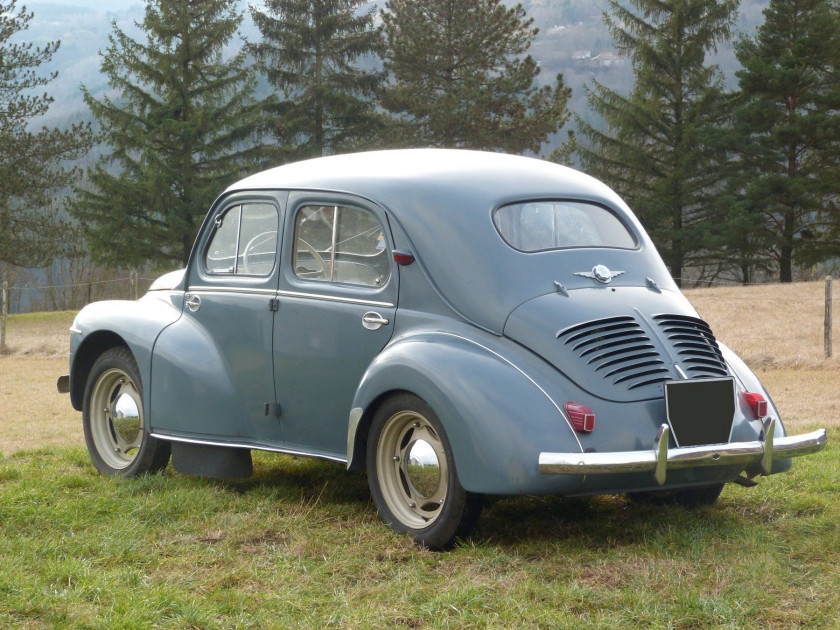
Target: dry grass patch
(32, 413)
(774, 325)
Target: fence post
(828, 283)
(134, 283)
(4, 311)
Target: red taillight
(581, 416)
(757, 404)
(403, 258)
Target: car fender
(496, 417)
(133, 324)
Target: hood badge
(601, 273)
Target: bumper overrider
(661, 459)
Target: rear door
(337, 301)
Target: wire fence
(74, 295)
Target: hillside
(572, 33)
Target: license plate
(700, 411)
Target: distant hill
(572, 40)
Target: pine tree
(182, 127)
(654, 151)
(31, 171)
(460, 77)
(786, 134)
(311, 51)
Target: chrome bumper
(661, 459)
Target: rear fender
(497, 419)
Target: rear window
(542, 225)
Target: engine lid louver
(695, 345)
(617, 349)
(621, 352)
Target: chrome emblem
(601, 273)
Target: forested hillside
(566, 27)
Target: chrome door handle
(193, 302)
(373, 321)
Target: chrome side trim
(250, 445)
(661, 459)
(333, 298)
(211, 289)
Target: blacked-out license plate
(701, 411)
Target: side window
(340, 244)
(244, 242)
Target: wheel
(686, 497)
(412, 475)
(113, 419)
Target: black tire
(420, 495)
(113, 419)
(686, 497)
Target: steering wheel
(253, 244)
(321, 272)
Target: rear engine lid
(619, 343)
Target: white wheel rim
(116, 418)
(412, 469)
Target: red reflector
(581, 417)
(403, 258)
(757, 404)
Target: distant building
(607, 60)
(581, 55)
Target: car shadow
(603, 521)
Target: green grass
(300, 545)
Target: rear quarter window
(544, 225)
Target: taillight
(581, 417)
(757, 403)
(403, 258)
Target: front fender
(496, 417)
(134, 324)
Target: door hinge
(272, 409)
(274, 304)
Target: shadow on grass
(603, 522)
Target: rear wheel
(412, 475)
(113, 419)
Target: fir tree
(311, 51)
(460, 77)
(654, 151)
(182, 127)
(31, 172)
(786, 135)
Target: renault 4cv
(457, 323)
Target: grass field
(299, 544)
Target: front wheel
(113, 419)
(412, 475)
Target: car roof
(443, 200)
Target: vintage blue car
(458, 323)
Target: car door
(212, 373)
(337, 302)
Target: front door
(212, 372)
(337, 302)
